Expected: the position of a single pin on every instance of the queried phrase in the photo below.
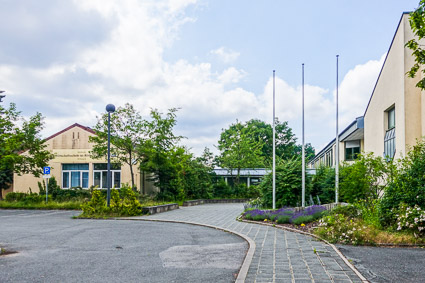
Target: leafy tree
(309, 151)
(128, 131)
(285, 139)
(417, 23)
(161, 155)
(288, 184)
(365, 179)
(240, 149)
(21, 148)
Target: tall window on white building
(75, 175)
(389, 140)
(100, 173)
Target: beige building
(72, 165)
(395, 115)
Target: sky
(212, 59)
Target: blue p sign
(46, 170)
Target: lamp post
(110, 108)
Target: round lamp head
(110, 108)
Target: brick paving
(280, 255)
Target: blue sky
(213, 59)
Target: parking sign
(46, 170)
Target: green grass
(69, 205)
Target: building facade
(72, 165)
(395, 116)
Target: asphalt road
(382, 264)
(52, 247)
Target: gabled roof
(70, 127)
(386, 57)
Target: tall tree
(128, 131)
(417, 23)
(21, 148)
(160, 152)
(239, 148)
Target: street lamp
(110, 108)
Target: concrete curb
(347, 262)
(243, 271)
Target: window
(389, 144)
(352, 150)
(100, 173)
(75, 175)
(389, 139)
(391, 118)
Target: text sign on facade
(46, 170)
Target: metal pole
(336, 139)
(274, 145)
(303, 147)
(47, 189)
(108, 176)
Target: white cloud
(128, 66)
(226, 55)
(356, 89)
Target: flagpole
(303, 146)
(336, 139)
(274, 145)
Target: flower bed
(286, 215)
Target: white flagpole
(336, 139)
(274, 146)
(303, 146)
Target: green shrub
(222, 190)
(347, 210)
(303, 219)
(14, 196)
(62, 195)
(407, 185)
(411, 219)
(338, 228)
(124, 202)
(24, 197)
(288, 184)
(283, 219)
(323, 184)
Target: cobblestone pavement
(280, 256)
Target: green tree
(239, 149)
(364, 179)
(128, 131)
(21, 148)
(417, 23)
(323, 184)
(161, 154)
(288, 184)
(285, 139)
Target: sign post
(46, 175)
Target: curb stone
(347, 262)
(243, 271)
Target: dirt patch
(6, 252)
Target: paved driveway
(280, 256)
(52, 247)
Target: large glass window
(100, 173)
(352, 150)
(75, 175)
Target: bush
(407, 185)
(411, 219)
(124, 202)
(363, 179)
(24, 197)
(323, 184)
(288, 184)
(307, 215)
(338, 228)
(62, 195)
(283, 219)
(222, 190)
